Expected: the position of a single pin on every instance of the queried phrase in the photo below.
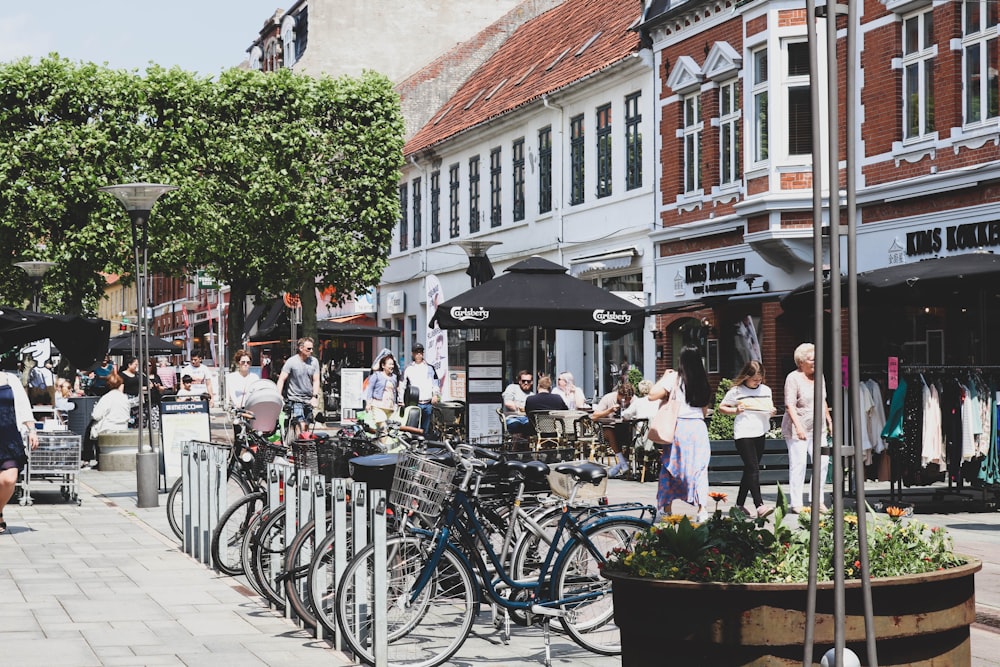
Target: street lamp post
(36, 271)
(138, 199)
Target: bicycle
(433, 585)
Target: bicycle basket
(422, 486)
(304, 455)
(262, 456)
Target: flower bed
(731, 591)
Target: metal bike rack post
(359, 540)
(291, 516)
(187, 506)
(202, 537)
(381, 610)
(340, 542)
(218, 464)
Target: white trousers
(799, 454)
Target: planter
(919, 619)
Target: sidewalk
(105, 583)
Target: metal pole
(146, 462)
(854, 352)
(817, 211)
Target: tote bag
(661, 428)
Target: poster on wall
(436, 343)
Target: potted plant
(733, 591)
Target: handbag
(663, 423)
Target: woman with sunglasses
(238, 382)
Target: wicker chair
(587, 437)
(549, 430)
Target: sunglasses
(244, 362)
(524, 381)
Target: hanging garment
(876, 420)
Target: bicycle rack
(203, 470)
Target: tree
(286, 181)
(65, 130)
(291, 180)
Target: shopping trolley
(55, 461)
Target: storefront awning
(608, 261)
(712, 302)
(905, 280)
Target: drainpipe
(558, 178)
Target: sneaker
(764, 511)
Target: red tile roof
(542, 56)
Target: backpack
(36, 380)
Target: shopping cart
(55, 461)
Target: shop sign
(955, 237)
(395, 302)
(720, 276)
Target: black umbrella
(538, 293)
(129, 341)
(83, 341)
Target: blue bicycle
(437, 575)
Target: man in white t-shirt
(201, 377)
(422, 375)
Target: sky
(205, 36)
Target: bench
(726, 467)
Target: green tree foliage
(286, 181)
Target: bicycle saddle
(532, 471)
(585, 471)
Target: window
(453, 230)
(760, 139)
(496, 171)
(417, 203)
(691, 134)
(288, 39)
(799, 106)
(576, 160)
(604, 150)
(979, 51)
(918, 72)
(435, 206)
(545, 170)
(474, 194)
(404, 205)
(518, 153)
(633, 143)
(729, 134)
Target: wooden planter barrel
(920, 619)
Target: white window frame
(288, 40)
(759, 95)
(729, 133)
(982, 40)
(918, 60)
(691, 131)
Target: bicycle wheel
(297, 566)
(268, 556)
(237, 486)
(227, 538)
(578, 573)
(322, 584)
(249, 544)
(423, 632)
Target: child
(750, 400)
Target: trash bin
(79, 416)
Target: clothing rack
(896, 485)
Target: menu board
(484, 386)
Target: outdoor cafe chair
(549, 430)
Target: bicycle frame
(461, 505)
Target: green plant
(634, 376)
(735, 548)
(720, 427)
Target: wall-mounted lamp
(751, 278)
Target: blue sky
(205, 36)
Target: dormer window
(288, 39)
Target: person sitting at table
(573, 395)
(514, 397)
(544, 400)
(616, 434)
